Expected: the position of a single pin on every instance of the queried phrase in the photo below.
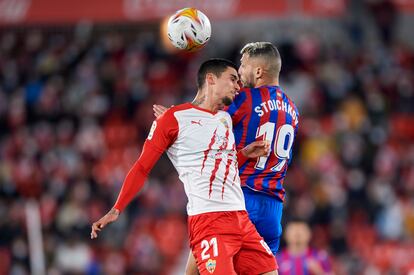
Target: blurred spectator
(298, 257)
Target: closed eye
(234, 78)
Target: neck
(202, 100)
(296, 250)
(265, 81)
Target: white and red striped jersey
(201, 146)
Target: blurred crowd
(76, 106)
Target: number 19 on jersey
(282, 144)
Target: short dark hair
(267, 51)
(214, 65)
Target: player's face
(227, 86)
(247, 77)
(298, 234)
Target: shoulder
(282, 254)
(180, 107)
(222, 113)
(316, 253)
(245, 90)
(170, 113)
(243, 94)
(322, 255)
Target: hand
(159, 109)
(110, 217)
(257, 149)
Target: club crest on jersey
(224, 121)
(211, 265)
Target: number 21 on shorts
(205, 245)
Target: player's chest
(205, 132)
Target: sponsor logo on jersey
(211, 265)
(196, 122)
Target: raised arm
(133, 183)
(162, 134)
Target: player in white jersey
(199, 141)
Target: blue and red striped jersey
(265, 113)
(303, 264)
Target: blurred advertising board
(21, 12)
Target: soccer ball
(189, 29)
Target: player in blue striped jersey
(263, 111)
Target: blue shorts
(265, 212)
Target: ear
(210, 79)
(258, 72)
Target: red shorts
(228, 243)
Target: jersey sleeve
(163, 133)
(237, 110)
(241, 159)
